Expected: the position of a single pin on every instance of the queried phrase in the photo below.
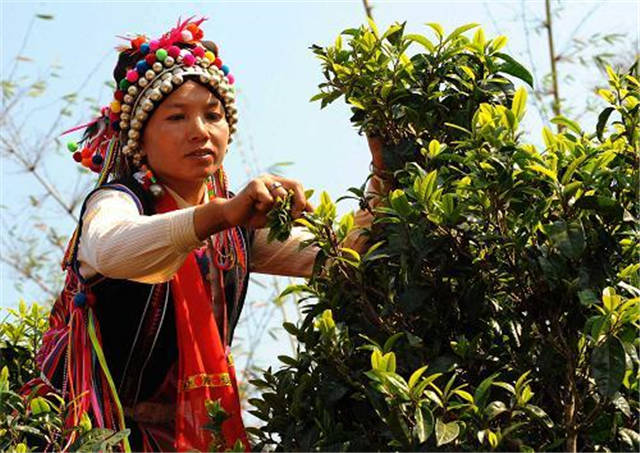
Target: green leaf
(460, 30)
(481, 395)
(608, 366)
(569, 239)
(494, 408)
(423, 41)
(400, 203)
(437, 28)
(602, 121)
(566, 122)
(572, 168)
(543, 171)
(512, 67)
(423, 423)
(356, 103)
(446, 432)
(416, 375)
(540, 414)
(519, 103)
(391, 341)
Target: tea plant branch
(553, 58)
(367, 9)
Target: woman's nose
(197, 129)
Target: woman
(159, 264)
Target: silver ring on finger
(274, 186)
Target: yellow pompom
(209, 55)
(115, 106)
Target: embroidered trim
(206, 380)
(230, 361)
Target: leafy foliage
(498, 305)
(36, 421)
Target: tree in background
(499, 305)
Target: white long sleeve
(119, 242)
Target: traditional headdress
(111, 142)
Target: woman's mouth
(203, 155)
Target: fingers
(299, 200)
(263, 198)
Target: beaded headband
(162, 65)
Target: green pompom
(161, 54)
(72, 147)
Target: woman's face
(186, 137)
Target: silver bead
(166, 76)
(150, 74)
(169, 61)
(205, 63)
(132, 90)
(128, 99)
(204, 78)
(143, 82)
(136, 124)
(155, 95)
(177, 80)
(134, 134)
(124, 124)
(166, 87)
(126, 108)
(157, 66)
(147, 105)
(141, 115)
(126, 150)
(156, 189)
(125, 116)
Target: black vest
(137, 320)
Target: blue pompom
(116, 126)
(96, 159)
(144, 49)
(142, 67)
(225, 69)
(80, 300)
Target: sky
(266, 45)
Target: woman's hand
(250, 206)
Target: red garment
(204, 368)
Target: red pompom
(218, 62)
(150, 58)
(174, 51)
(136, 43)
(77, 156)
(197, 52)
(114, 117)
(86, 152)
(119, 95)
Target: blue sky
(266, 46)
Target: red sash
(204, 371)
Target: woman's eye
(213, 116)
(175, 117)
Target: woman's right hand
(250, 206)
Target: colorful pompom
(231, 79)
(86, 152)
(198, 51)
(217, 62)
(119, 95)
(113, 116)
(150, 58)
(174, 51)
(188, 60)
(86, 162)
(79, 300)
(142, 67)
(72, 147)
(115, 107)
(144, 49)
(136, 43)
(225, 69)
(132, 75)
(96, 159)
(161, 54)
(154, 45)
(124, 84)
(196, 32)
(77, 156)
(186, 36)
(209, 56)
